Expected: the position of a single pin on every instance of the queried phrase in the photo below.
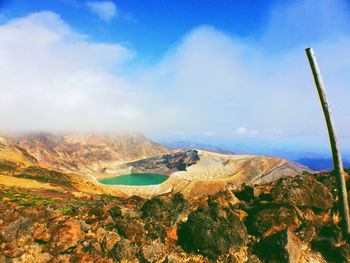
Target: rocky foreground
(293, 219)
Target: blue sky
(152, 27)
(220, 72)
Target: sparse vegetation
(44, 175)
(67, 209)
(8, 166)
(24, 199)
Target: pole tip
(309, 51)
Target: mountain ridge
(84, 159)
(89, 152)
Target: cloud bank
(54, 78)
(209, 84)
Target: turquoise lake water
(135, 179)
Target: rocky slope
(293, 219)
(84, 159)
(79, 153)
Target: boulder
(164, 208)
(107, 239)
(212, 232)
(131, 229)
(95, 214)
(246, 193)
(85, 227)
(304, 192)
(41, 234)
(271, 219)
(115, 211)
(130, 213)
(179, 256)
(16, 228)
(65, 236)
(330, 244)
(283, 246)
(153, 252)
(224, 199)
(171, 233)
(124, 251)
(306, 233)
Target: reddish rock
(63, 258)
(224, 199)
(41, 234)
(270, 220)
(171, 233)
(14, 253)
(67, 236)
(107, 239)
(318, 219)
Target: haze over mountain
(80, 152)
(216, 74)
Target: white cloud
(58, 79)
(209, 81)
(241, 131)
(106, 10)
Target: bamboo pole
(337, 160)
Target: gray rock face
(177, 161)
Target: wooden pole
(337, 160)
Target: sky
(219, 72)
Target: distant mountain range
(188, 145)
(320, 164)
(314, 161)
